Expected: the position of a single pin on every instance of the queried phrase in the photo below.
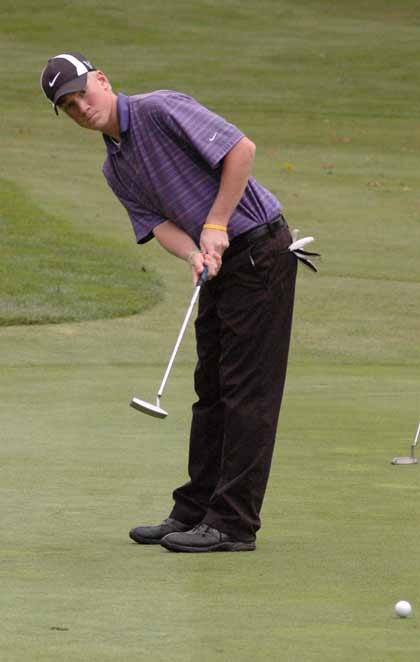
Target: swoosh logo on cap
(51, 82)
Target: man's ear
(102, 80)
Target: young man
(183, 174)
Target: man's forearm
(180, 244)
(175, 240)
(237, 167)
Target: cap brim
(76, 85)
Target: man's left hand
(214, 242)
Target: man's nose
(82, 105)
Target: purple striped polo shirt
(168, 164)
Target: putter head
(411, 459)
(404, 460)
(148, 408)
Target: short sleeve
(208, 133)
(143, 220)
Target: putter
(409, 459)
(156, 410)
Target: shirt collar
(123, 113)
(123, 120)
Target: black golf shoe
(152, 535)
(203, 538)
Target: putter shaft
(156, 410)
(178, 341)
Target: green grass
(329, 92)
(49, 272)
(337, 549)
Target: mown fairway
(330, 94)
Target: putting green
(329, 92)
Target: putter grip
(203, 277)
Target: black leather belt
(250, 237)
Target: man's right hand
(199, 260)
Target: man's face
(93, 108)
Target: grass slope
(49, 272)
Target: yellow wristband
(212, 226)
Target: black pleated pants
(243, 333)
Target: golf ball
(403, 609)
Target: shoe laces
(201, 528)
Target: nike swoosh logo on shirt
(212, 138)
(51, 82)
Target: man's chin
(94, 126)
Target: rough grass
(50, 272)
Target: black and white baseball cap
(63, 74)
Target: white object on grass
(403, 609)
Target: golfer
(183, 173)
